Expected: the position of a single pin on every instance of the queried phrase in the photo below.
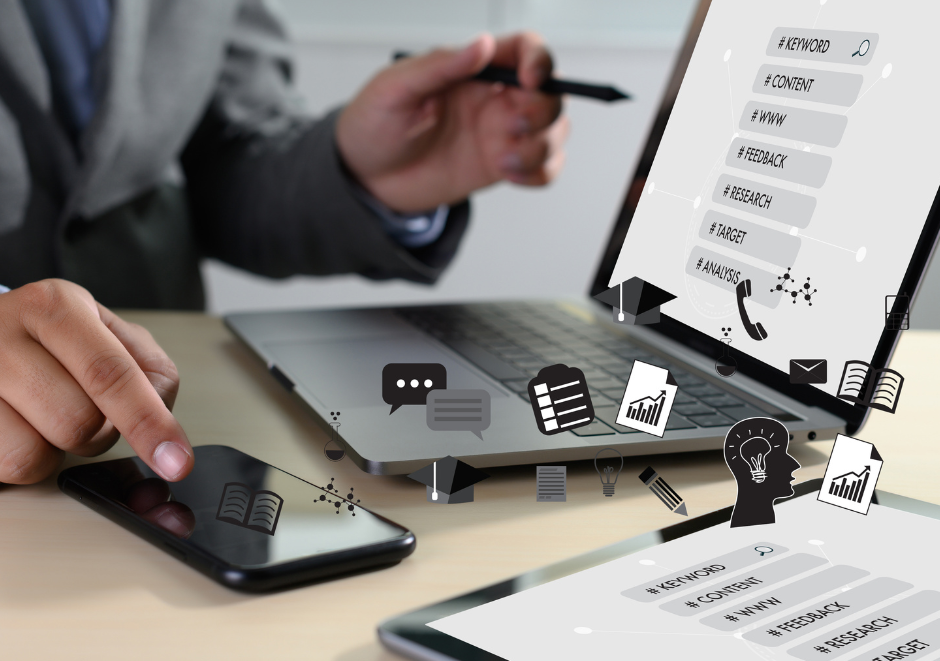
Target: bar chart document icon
(551, 484)
(647, 400)
(560, 399)
(851, 476)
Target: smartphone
(244, 523)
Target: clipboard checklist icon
(560, 399)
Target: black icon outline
(754, 330)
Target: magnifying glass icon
(862, 48)
(763, 549)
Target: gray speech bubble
(459, 410)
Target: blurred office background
(522, 243)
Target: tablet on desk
(821, 583)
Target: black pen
(550, 86)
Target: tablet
(822, 583)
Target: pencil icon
(665, 492)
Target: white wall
(523, 243)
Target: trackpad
(350, 371)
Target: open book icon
(255, 510)
(878, 389)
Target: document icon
(647, 400)
(560, 399)
(550, 484)
(851, 476)
(808, 371)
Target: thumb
(429, 74)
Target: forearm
(282, 205)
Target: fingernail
(521, 126)
(169, 520)
(170, 459)
(511, 162)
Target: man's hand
(73, 378)
(421, 133)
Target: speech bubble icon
(459, 410)
(409, 383)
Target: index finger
(70, 331)
(526, 53)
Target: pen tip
(617, 95)
(681, 510)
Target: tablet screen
(797, 157)
(822, 583)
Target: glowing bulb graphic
(608, 473)
(754, 453)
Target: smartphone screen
(241, 511)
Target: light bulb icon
(754, 453)
(608, 471)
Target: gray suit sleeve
(267, 187)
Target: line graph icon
(851, 474)
(647, 399)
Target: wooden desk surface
(75, 586)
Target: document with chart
(851, 475)
(647, 399)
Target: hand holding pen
(507, 76)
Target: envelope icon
(808, 371)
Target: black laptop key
(743, 412)
(683, 398)
(676, 421)
(713, 420)
(608, 415)
(605, 383)
(693, 408)
(703, 390)
(517, 385)
(685, 379)
(486, 361)
(596, 428)
(615, 394)
(721, 401)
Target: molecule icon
(340, 501)
(782, 286)
(787, 280)
(804, 292)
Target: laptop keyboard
(512, 341)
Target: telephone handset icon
(756, 331)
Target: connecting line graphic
(730, 95)
(854, 252)
(587, 630)
(659, 190)
(862, 94)
(717, 162)
(818, 13)
(819, 545)
(653, 563)
(652, 189)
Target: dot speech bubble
(409, 383)
(459, 410)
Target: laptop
(781, 198)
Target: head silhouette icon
(756, 453)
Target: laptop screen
(790, 189)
